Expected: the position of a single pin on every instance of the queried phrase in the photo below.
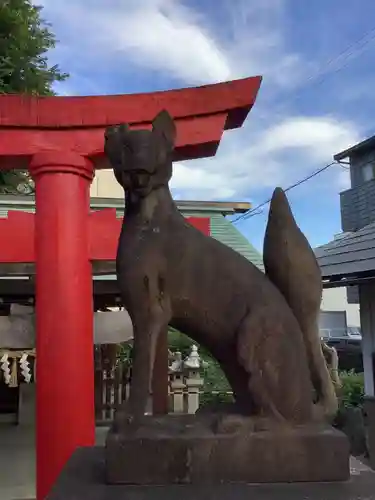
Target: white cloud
(198, 183)
(172, 38)
(169, 36)
(279, 155)
(161, 35)
(165, 38)
(320, 137)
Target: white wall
(17, 331)
(334, 299)
(105, 185)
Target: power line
(255, 211)
(344, 57)
(346, 54)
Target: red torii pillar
(64, 311)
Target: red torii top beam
(30, 124)
(60, 140)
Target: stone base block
(211, 449)
(83, 478)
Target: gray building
(357, 212)
(349, 261)
(355, 247)
(358, 202)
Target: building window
(368, 172)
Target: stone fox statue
(170, 273)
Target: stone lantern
(193, 365)
(177, 384)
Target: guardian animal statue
(260, 327)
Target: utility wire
(353, 51)
(346, 56)
(255, 211)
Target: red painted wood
(29, 124)
(104, 230)
(64, 312)
(234, 97)
(17, 232)
(196, 138)
(201, 223)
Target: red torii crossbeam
(104, 231)
(60, 141)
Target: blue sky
(317, 97)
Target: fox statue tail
(291, 265)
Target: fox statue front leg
(150, 318)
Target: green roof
(225, 232)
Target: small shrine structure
(60, 141)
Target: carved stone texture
(291, 265)
(170, 273)
(210, 449)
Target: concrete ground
(17, 471)
(17, 461)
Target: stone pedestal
(207, 449)
(83, 478)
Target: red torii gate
(60, 141)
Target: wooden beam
(26, 287)
(234, 98)
(104, 230)
(201, 114)
(9, 269)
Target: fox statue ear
(163, 124)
